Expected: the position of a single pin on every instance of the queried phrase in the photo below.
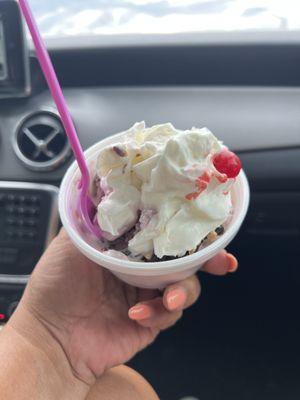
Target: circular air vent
(40, 141)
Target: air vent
(40, 142)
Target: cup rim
(132, 266)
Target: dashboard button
(21, 210)
(11, 198)
(20, 234)
(20, 222)
(11, 234)
(22, 198)
(8, 255)
(31, 234)
(33, 211)
(30, 222)
(2, 200)
(11, 221)
(34, 200)
(11, 209)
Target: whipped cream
(162, 180)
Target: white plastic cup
(152, 275)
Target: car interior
(241, 339)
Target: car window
(98, 17)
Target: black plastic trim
(223, 65)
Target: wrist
(38, 344)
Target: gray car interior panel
(246, 119)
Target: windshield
(98, 17)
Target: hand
(99, 321)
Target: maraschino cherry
(228, 163)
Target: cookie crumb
(220, 230)
(212, 236)
(120, 152)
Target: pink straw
(58, 97)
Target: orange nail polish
(176, 299)
(232, 263)
(139, 312)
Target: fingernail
(176, 299)
(139, 312)
(232, 263)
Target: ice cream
(165, 189)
